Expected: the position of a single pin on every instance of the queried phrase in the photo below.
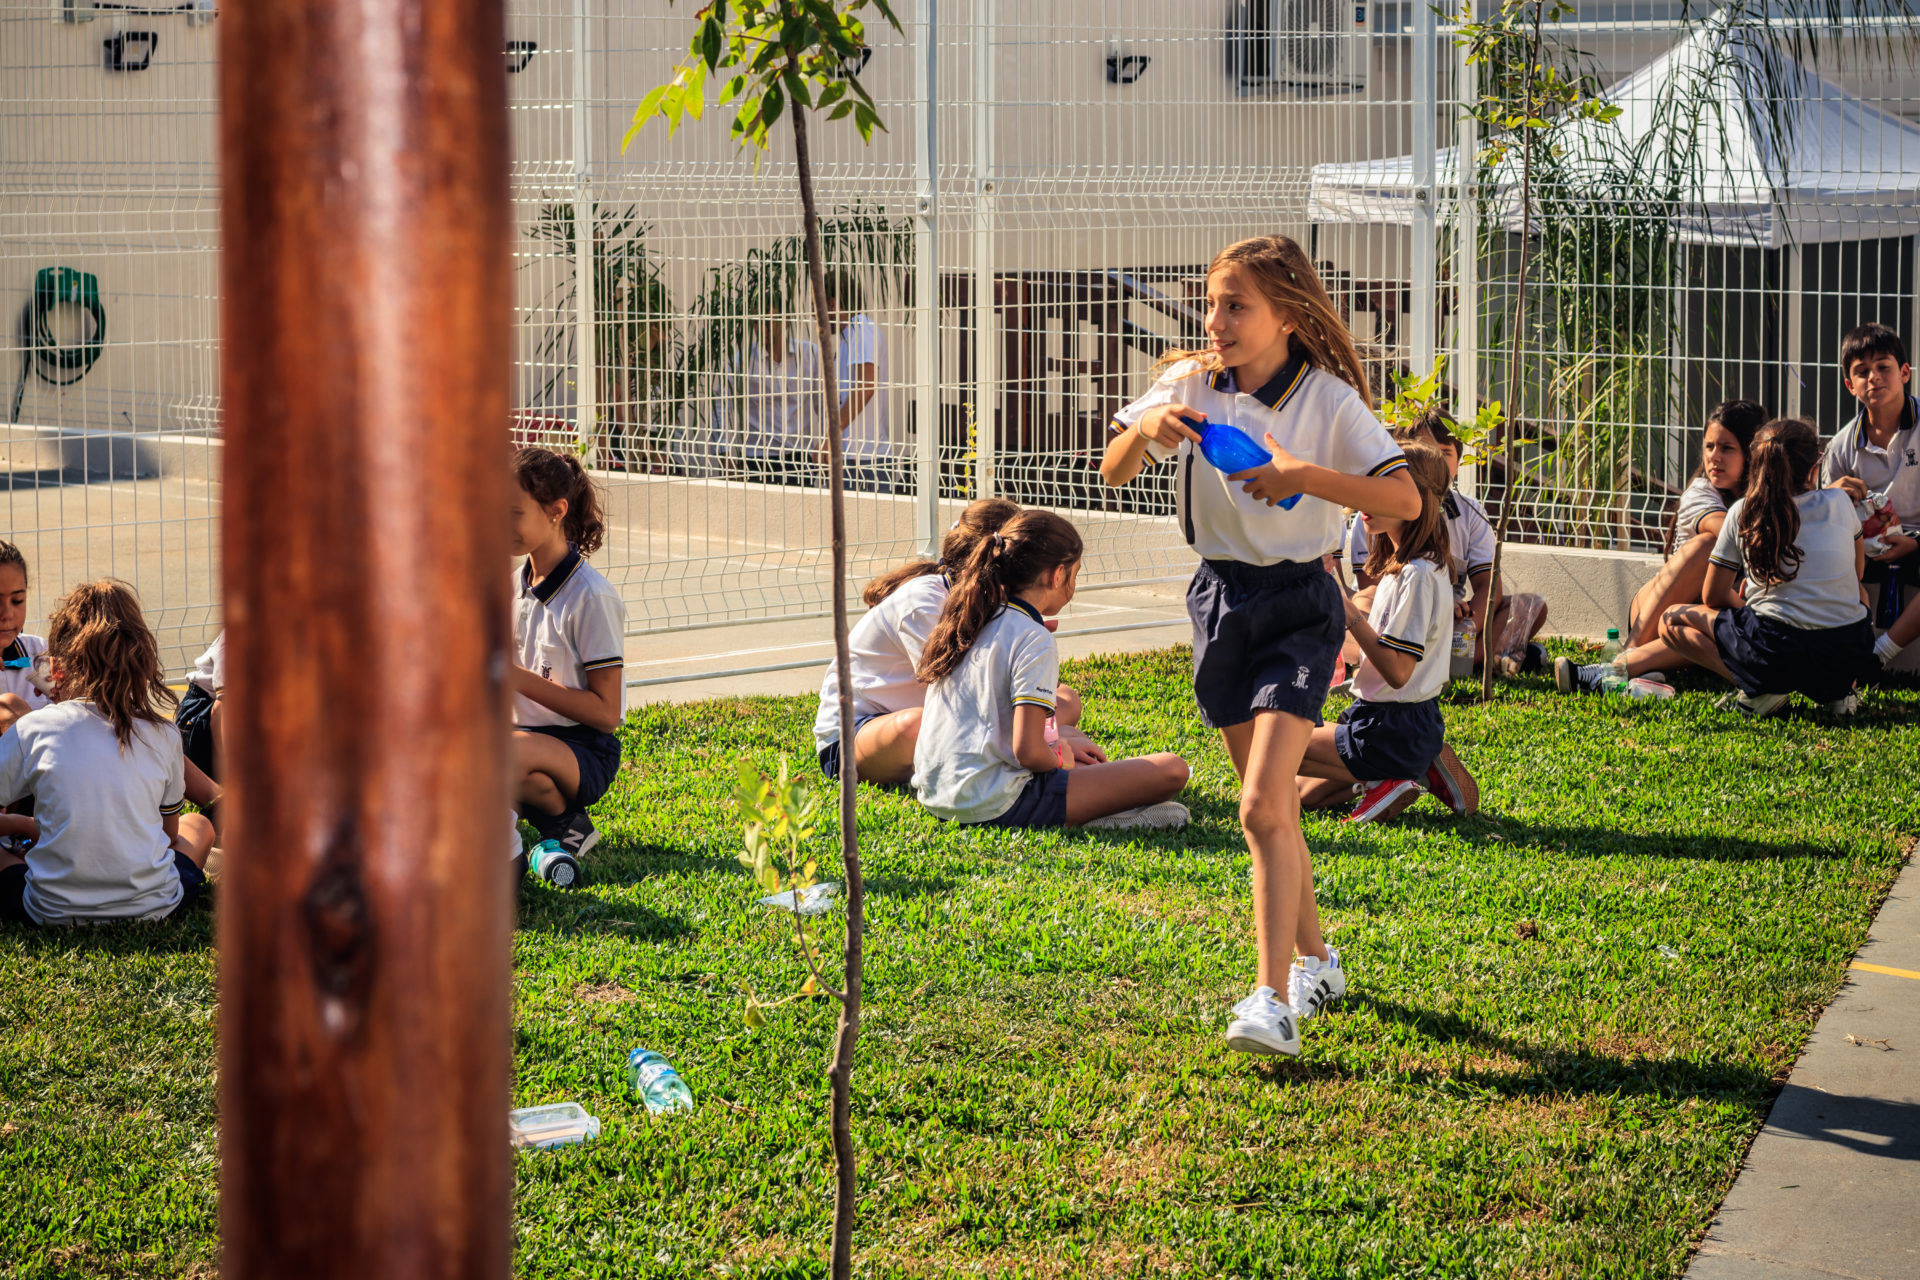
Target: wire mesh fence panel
(1007, 262)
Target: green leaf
(770, 106)
(709, 48)
(732, 89)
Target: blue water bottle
(1232, 451)
(656, 1083)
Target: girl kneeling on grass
(992, 671)
(1803, 627)
(903, 607)
(107, 774)
(1391, 739)
(570, 638)
(1267, 615)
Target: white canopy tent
(1845, 170)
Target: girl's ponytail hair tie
(999, 543)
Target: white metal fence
(1023, 241)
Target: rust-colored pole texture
(364, 911)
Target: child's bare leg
(1656, 656)
(1680, 581)
(1096, 790)
(215, 716)
(12, 707)
(1067, 707)
(16, 826)
(883, 749)
(194, 837)
(546, 775)
(1323, 780)
(1688, 630)
(1268, 753)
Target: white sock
(1885, 649)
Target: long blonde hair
(1286, 279)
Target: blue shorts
(1765, 656)
(597, 754)
(1265, 638)
(830, 754)
(195, 721)
(1381, 740)
(1043, 803)
(13, 888)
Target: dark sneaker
(573, 831)
(1536, 659)
(1568, 677)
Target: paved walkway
(1832, 1184)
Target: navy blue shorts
(1042, 804)
(195, 721)
(1265, 638)
(1381, 740)
(1765, 656)
(597, 754)
(830, 754)
(13, 888)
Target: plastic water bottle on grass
(656, 1083)
(1612, 648)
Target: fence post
(926, 285)
(1426, 111)
(986, 328)
(363, 920)
(586, 396)
(1466, 258)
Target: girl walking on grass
(992, 673)
(1803, 626)
(107, 775)
(1280, 369)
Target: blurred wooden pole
(364, 912)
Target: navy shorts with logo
(1765, 656)
(1381, 740)
(597, 754)
(1043, 803)
(1265, 638)
(13, 888)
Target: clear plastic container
(1648, 689)
(1612, 648)
(556, 1125)
(656, 1083)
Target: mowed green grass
(1570, 1014)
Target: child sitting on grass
(107, 775)
(1392, 738)
(18, 693)
(903, 606)
(1803, 627)
(1717, 483)
(992, 673)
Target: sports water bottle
(552, 863)
(1612, 648)
(1232, 451)
(656, 1083)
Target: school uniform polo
(1311, 414)
(964, 765)
(1698, 501)
(1396, 733)
(779, 401)
(16, 669)
(1469, 542)
(1893, 471)
(569, 623)
(885, 646)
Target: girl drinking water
(992, 671)
(1281, 370)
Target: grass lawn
(1570, 1014)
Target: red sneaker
(1449, 780)
(1384, 799)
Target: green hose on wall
(39, 352)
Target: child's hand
(1162, 425)
(1853, 486)
(1273, 483)
(1085, 752)
(1462, 609)
(1899, 546)
(1353, 611)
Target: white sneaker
(1754, 708)
(1845, 706)
(1313, 985)
(1261, 1024)
(1168, 813)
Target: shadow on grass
(564, 914)
(191, 932)
(1611, 842)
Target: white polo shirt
(102, 853)
(1824, 592)
(1893, 471)
(571, 623)
(1413, 614)
(210, 668)
(1311, 413)
(1697, 501)
(780, 402)
(16, 669)
(1469, 542)
(870, 435)
(885, 645)
(964, 766)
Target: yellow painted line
(1881, 968)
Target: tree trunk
(840, 1072)
(1513, 359)
(365, 1030)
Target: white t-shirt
(1697, 501)
(210, 668)
(870, 435)
(964, 766)
(102, 853)
(1825, 591)
(1894, 470)
(573, 622)
(16, 669)
(780, 403)
(885, 646)
(1469, 542)
(1413, 614)
(1312, 414)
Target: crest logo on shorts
(1301, 677)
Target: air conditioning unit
(1310, 48)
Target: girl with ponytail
(992, 671)
(570, 638)
(1281, 372)
(1802, 627)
